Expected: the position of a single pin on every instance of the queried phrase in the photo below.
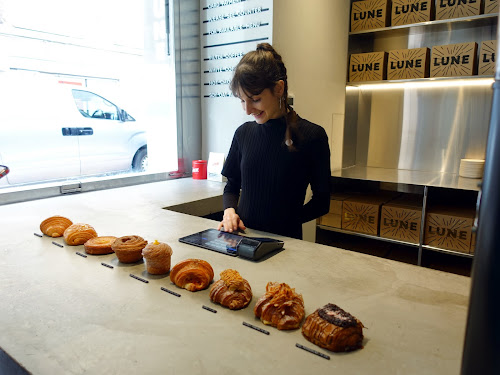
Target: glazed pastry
(231, 290)
(334, 329)
(78, 234)
(99, 245)
(192, 274)
(55, 226)
(280, 307)
(128, 249)
(157, 256)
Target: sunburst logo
(368, 14)
(490, 6)
(367, 66)
(487, 57)
(446, 9)
(405, 12)
(453, 60)
(408, 63)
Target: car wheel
(140, 162)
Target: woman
(273, 159)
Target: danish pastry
(128, 249)
(55, 226)
(334, 329)
(280, 307)
(157, 256)
(192, 274)
(78, 234)
(99, 245)
(231, 290)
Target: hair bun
(265, 47)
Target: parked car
(52, 131)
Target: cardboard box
(405, 12)
(408, 63)
(453, 60)
(334, 217)
(486, 63)
(367, 66)
(446, 9)
(401, 219)
(369, 14)
(490, 6)
(362, 213)
(449, 228)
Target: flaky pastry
(99, 245)
(280, 307)
(192, 274)
(128, 249)
(334, 329)
(55, 226)
(231, 290)
(78, 234)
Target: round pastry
(55, 226)
(280, 307)
(157, 256)
(128, 249)
(192, 274)
(334, 329)
(231, 290)
(78, 234)
(99, 245)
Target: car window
(94, 106)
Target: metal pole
(481, 353)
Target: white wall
(312, 36)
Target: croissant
(78, 234)
(128, 249)
(192, 274)
(99, 245)
(55, 226)
(231, 290)
(334, 329)
(280, 307)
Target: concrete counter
(63, 313)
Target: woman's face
(264, 106)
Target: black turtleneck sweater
(273, 180)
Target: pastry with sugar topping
(231, 291)
(280, 307)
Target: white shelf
(426, 81)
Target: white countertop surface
(61, 313)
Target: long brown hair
(262, 69)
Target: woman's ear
(279, 88)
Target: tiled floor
(408, 254)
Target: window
(85, 95)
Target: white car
(51, 131)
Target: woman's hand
(231, 221)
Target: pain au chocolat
(280, 307)
(231, 291)
(334, 329)
(55, 226)
(192, 274)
